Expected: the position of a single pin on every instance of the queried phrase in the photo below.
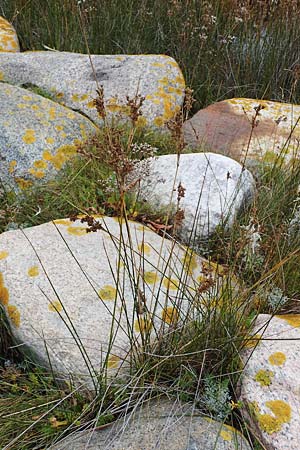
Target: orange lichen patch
(77, 231)
(144, 249)
(36, 173)
(12, 166)
(47, 155)
(22, 183)
(252, 341)
(4, 295)
(1, 76)
(226, 435)
(50, 140)
(150, 277)
(170, 315)
(158, 64)
(79, 98)
(3, 254)
(264, 377)
(14, 315)
(29, 136)
(90, 104)
(55, 306)
(33, 271)
(282, 412)
(52, 113)
(108, 292)
(1, 279)
(159, 121)
(189, 262)
(59, 95)
(59, 127)
(171, 283)
(35, 107)
(113, 361)
(180, 80)
(174, 90)
(291, 319)
(143, 325)
(27, 97)
(62, 155)
(277, 359)
(65, 222)
(40, 164)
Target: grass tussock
(226, 48)
(197, 359)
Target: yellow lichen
(12, 166)
(29, 136)
(77, 231)
(33, 271)
(50, 140)
(171, 283)
(113, 361)
(3, 254)
(282, 412)
(150, 277)
(280, 409)
(143, 325)
(55, 306)
(170, 315)
(40, 164)
(189, 262)
(252, 341)
(65, 222)
(4, 295)
(226, 435)
(14, 315)
(36, 173)
(108, 292)
(144, 249)
(264, 377)
(277, 359)
(291, 319)
(159, 121)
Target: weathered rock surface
(37, 136)
(216, 188)
(57, 278)
(270, 387)
(160, 425)
(8, 38)
(225, 127)
(71, 79)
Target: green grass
(223, 49)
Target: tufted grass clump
(196, 359)
(249, 49)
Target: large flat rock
(8, 38)
(37, 136)
(226, 127)
(70, 78)
(160, 425)
(216, 189)
(270, 388)
(57, 278)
